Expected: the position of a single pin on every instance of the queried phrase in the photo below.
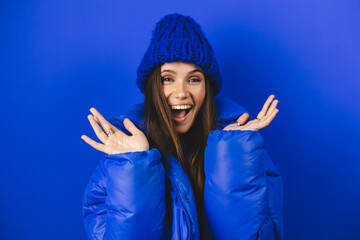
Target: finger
(266, 106)
(130, 126)
(243, 118)
(272, 107)
(269, 118)
(93, 143)
(98, 131)
(105, 125)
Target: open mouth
(180, 111)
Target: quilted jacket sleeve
(124, 198)
(236, 196)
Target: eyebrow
(193, 71)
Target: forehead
(179, 67)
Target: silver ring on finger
(109, 132)
(258, 119)
(239, 124)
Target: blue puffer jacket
(125, 198)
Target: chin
(182, 129)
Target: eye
(194, 80)
(165, 80)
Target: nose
(181, 91)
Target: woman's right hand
(115, 141)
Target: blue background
(60, 58)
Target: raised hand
(115, 141)
(263, 119)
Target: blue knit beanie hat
(179, 38)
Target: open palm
(263, 119)
(115, 141)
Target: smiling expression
(183, 85)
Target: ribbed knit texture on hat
(179, 38)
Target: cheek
(200, 96)
(166, 91)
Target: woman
(185, 164)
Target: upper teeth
(178, 107)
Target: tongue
(179, 113)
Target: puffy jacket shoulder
(243, 190)
(124, 192)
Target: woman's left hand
(263, 119)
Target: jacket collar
(227, 112)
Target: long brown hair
(162, 135)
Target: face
(183, 85)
